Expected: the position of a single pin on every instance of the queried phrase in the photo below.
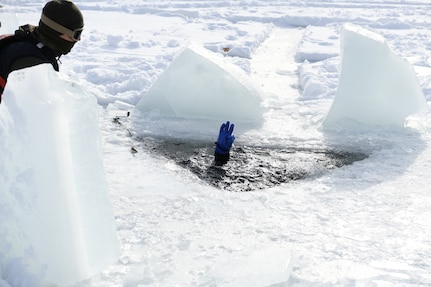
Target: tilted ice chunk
(376, 88)
(201, 86)
(56, 219)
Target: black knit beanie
(60, 17)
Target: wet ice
(250, 167)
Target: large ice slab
(200, 86)
(9, 23)
(376, 88)
(56, 218)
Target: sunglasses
(74, 34)
(77, 34)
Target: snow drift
(376, 87)
(56, 219)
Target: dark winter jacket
(23, 50)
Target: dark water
(250, 167)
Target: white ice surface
(377, 88)
(197, 92)
(57, 224)
(367, 224)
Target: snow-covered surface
(365, 224)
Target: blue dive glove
(225, 138)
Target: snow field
(362, 225)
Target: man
(60, 27)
